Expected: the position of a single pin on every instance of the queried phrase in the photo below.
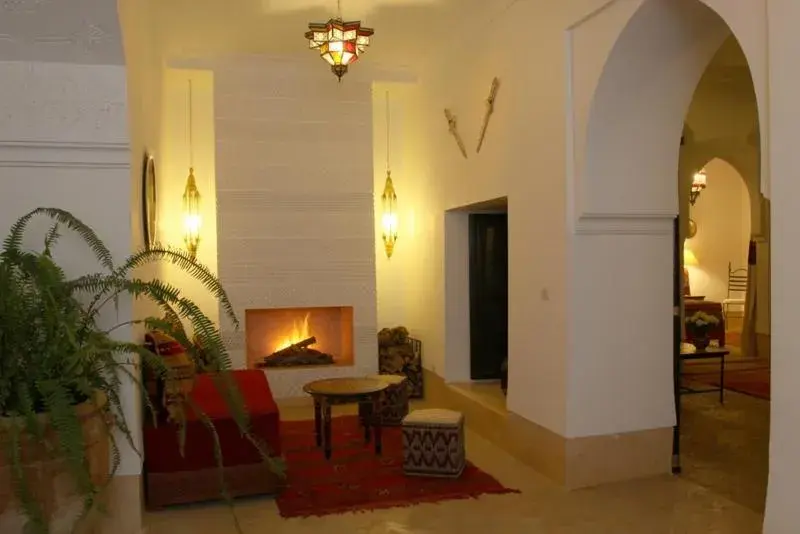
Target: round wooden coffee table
(329, 392)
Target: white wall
(722, 215)
(295, 201)
(524, 158)
(517, 161)
(782, 515)
(626, 196)
(396, 276)
(64, 143)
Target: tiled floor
(726, 447)
(705, 500)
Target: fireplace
(299, 337)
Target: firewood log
(295, 347)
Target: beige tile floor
(665, 505)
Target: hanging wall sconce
(699, 182)
(192, 220)
(389, 199)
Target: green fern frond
(209, 424)
(64, 419)
(50, 239)
(188, 265)
(14, 239)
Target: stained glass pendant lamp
(339, 43)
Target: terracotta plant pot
(47, 476)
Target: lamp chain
(191, 128)
(388, 129)
(339, 8)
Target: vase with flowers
(698, 327)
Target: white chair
(737, 289)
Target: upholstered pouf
(433, 443)
(394, 405)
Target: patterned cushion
(433, 443)
(434, 417)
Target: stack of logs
(297, 354)
(399, 354)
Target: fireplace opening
(299, 337)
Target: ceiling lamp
(698, 184)
(339, 43)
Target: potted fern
(61, 373)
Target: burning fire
(298, 333)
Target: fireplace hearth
(299, 337)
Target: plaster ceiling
(75, 31)
(406, 31)
(354, 8)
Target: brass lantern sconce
(192, 219)
(699, 182)
(389, 198)
(389, 219)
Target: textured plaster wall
(295, 218)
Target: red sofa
(172, 478)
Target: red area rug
(355, 479)
(753, 382)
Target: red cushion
(162, 454)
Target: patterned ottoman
(433, 443)
(394, 406)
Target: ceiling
(406, 30)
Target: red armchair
(173, 478)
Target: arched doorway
(624, 201)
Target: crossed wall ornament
(452, 124)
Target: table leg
(326, 412)
(368, 415)
(722, 379)
(376, 422)
(318, 422)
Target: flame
(298, 333)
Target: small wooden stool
(433, 443)
(394, 406)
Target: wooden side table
(335, 391)
(708, 353)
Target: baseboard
(570, 462)
(597, 460)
